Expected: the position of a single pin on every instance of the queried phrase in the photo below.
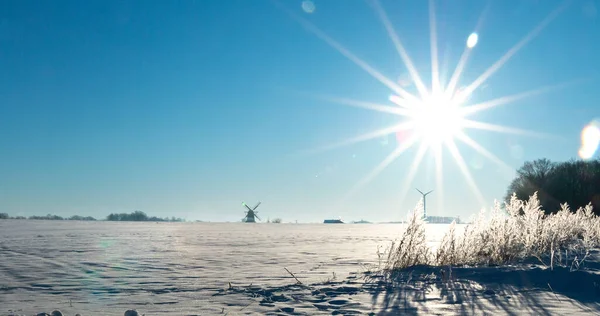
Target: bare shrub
(412, 248)
(446, 253)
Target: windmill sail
(251, 214)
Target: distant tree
(47, 217)
(136, 216)
(4, 216)
(19, 217)
(277, 220)
(139, 216)
(575, 182)
(81, 218)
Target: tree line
(139, 216)
(136, 216)
(49, 217)
(575, 182)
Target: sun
(436, 119)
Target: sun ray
(402, 102)
(435, 72)
(513, 50)
(379, 107)
(439, 177)
(480, 149)
(503, 129)
(348, 54)
(412, 171)
(366, 105)
(460, 162)
(364, 137)
(344, 51)
(400, 48)
(444, 73)
(450, 89)
(379, 168)
(471, 109)
(434, 117)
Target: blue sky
(188, 108)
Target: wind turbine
(424, 201)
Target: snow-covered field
(105, 268)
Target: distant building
(333, 221)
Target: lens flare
(472, 40)
(308, 6)
(590, 139)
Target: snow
(106, 268)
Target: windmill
(251, 214)
(424, 202)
